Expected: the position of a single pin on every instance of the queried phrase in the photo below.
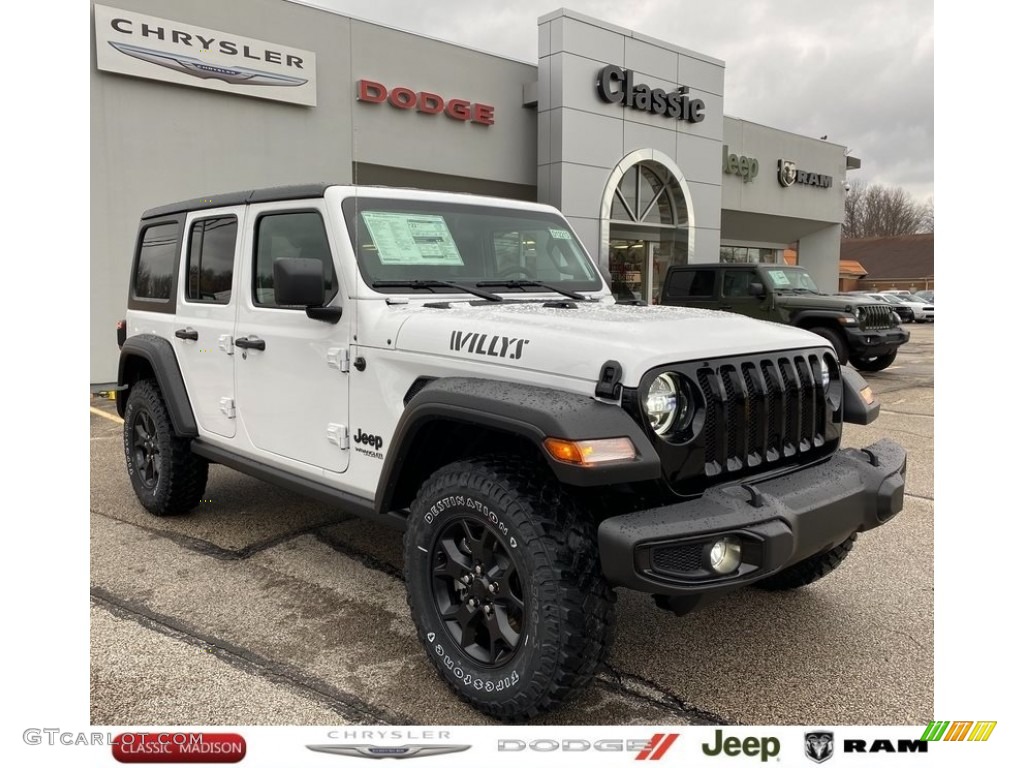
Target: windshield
(791, 279)
(427, 243)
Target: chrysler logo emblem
(379, 753)
(204, 69)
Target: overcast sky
(860, 73)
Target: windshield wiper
(434, 284)
(532, 283)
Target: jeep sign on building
(624, 133)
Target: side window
(155, 271)
(299, 235)
(691, 284)
(736, 283)
(211, 259)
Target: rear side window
(211, 259)
(155, 271)
(299, 235)
(691, 283)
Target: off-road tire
(180, 476)
(837, 340)
(567, 615)
(873, 364)
(808, 571)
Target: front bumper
(875, 342)
(779, 522)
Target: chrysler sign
(135, 44)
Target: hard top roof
(264, 195)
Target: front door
(292, 391)
(736, 296)
(208, 291)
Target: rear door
(207, 302)
(292, 386)
(691, 287)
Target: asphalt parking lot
(264, 608)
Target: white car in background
(923, 311)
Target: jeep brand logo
(677, 103)
(884, 745)
(751, 746)
(426, 102)
(374, 441)
(484, 344)
(744, 167)
(789, 175)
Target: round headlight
(826, 379)
(663, 403)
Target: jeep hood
(577, 342)
(813, 301)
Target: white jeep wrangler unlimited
(457, 366)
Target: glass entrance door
(629, 262)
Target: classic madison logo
(199, 68)
(819, 745)
(379, 753)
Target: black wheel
(837, 341)
(877, 363)
(505, 587)
(808, 571)
(167, 477)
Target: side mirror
(756, 289)
(300, 283)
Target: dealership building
(624, 133)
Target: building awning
(851, 268)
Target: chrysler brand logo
(199, 68)
(380, 752)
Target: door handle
(726, 307)
(251, 342)
(187, 333)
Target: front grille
(876, 316)
(678, 558)
(759, 412)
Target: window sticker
(778, 277)
(412, 239)
(560, 234)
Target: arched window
(648, 229)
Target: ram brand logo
(508, 347)
(819, 745)
(375, 752)
(204, 69)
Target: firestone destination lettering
(508, 347)
(225, 47)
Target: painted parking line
(105, 415)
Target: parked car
(926, 296)
(864, 332)
(923, 311)
(901, 308)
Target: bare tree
(881, 211)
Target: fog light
(724, 555)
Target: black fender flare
(526, 411)
(159, 353)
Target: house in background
(906, 262)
